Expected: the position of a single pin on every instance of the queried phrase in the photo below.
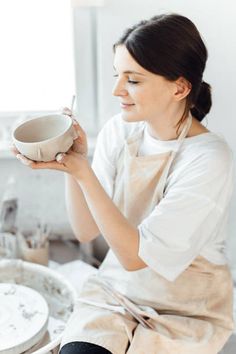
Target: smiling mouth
(126, 104)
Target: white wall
(40, 195)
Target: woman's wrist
(83, 170)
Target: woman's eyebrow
(130, 72)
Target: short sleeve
(103, 160)
(109, 144)
(188, 215)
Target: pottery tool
(126, 304)
(72, 104)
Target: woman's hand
(74, 162)
(80, 143)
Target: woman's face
(143, 96)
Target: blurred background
(52, 49)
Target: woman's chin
(130, 117)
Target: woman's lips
(126, 105)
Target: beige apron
(191, 315)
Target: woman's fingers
(60, 157)
(63, 157)
(14, 150)
(76, 125)
(51, 165)
(19, 156)
(79, 133)
(34, 164)
(24, 159)
(80, 143)
(38, 165)
(78, 128)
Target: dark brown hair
(171, 46)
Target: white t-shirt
(191, 219)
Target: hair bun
(203, 102)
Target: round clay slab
(23, 318)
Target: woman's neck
(167, 129)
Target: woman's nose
(119, 89)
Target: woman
(158, 191)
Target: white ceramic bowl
(42, 138)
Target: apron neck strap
(186, 128)
(180, 140)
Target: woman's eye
(132, 82)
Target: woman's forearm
(80, 217)
(121, 236)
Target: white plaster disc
(23, 318)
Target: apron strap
(173, 154)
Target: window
(36, 61)
(48, 53)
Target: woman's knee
(83, 348)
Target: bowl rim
(38, 118)
(20, 264)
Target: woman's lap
(101, 327)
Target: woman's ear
(182, 88)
